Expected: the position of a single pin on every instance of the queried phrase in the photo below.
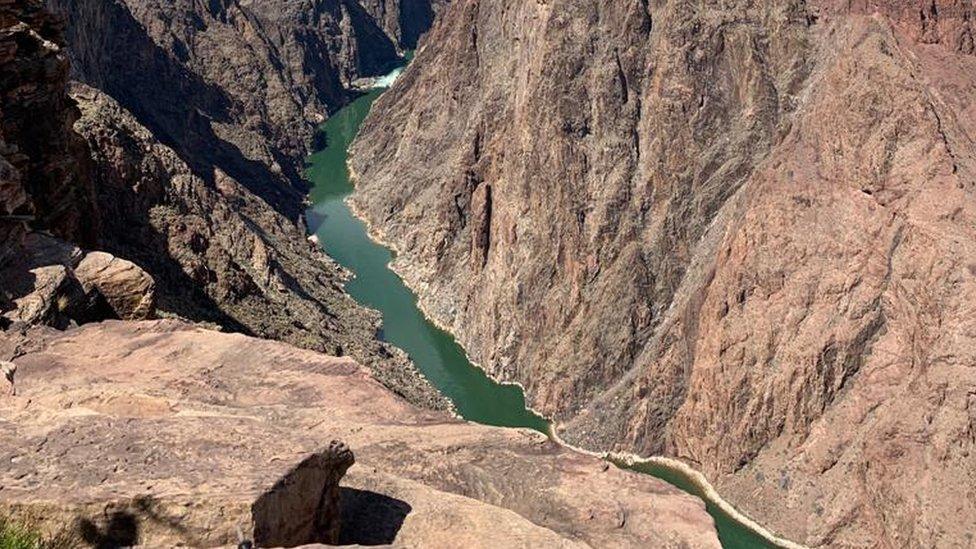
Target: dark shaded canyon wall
(40, 179)
(238, 86)
(404, 20)
(220, 254)
(742, 234)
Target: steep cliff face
(44, 179)
(238, 86)
(188, 184)
(40, 179)
(221, 254)
(404, 20)
(739, 234)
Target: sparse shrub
(19, 534)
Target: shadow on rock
(120, 530)
(369, 518)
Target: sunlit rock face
(197, 438)
(741, 234)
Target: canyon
(198, 180)
(739, 234)
(141, 179)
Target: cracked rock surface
(185, 434)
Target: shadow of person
(120, 530)
(369, 518)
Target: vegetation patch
(21, 534)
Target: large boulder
(41, 296)
(55, 283)
(128, 289)
(38, 284)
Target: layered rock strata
(740, 234)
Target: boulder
(128, 289)
(42, 295)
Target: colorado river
(475, 396)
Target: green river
(476, 396)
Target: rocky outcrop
(45, 182)
(156, 478)
(44, 298)
(164, 428)
(220, 254)
(54, 283)
(127, 289)
(42, 169)
(737, 234)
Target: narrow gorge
(710, 269)
(156, 211)
(474, 396)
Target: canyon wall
(45, 182)
(741, 234)
(164, 433)
(239, 86)
(183, 164)
(39, 178)
(404, 20)
(220, 254)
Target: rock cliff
(220, 254)
(742, 234)
(188, 177)
(42, 169)
(160, 433)
(45, 183)
(235, 86)
(246, 83)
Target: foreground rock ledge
(161, 433)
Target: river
(435, 352)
